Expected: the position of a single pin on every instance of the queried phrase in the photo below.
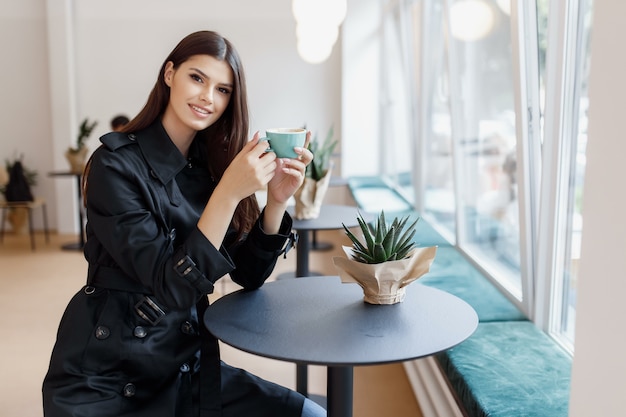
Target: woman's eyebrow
(208, 78)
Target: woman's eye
(224, 90)
(196, 77)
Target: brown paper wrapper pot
(385, 283)
(309, 197)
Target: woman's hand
(289, 175)
(250, 171)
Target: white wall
(361, 97)
(25, 116)
(599, 362)
(118, 47)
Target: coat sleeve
(126, 230)
(257, 256)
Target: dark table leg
(340, 391)
(302, 379)
(81, 242)
(302, 270)
(321, 246)
(302, 257)
(302, 253)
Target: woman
(171, 209)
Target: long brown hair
(228, 135)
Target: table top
(321, 321)
(331, 217)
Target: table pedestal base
(340, 391)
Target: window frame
(561, 115)
(525, 57)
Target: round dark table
(321, 321)
(331, 217)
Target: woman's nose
(207, 95)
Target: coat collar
(162, 155)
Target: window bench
(507, 368)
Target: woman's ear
(168, 74)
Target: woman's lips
(200, 111)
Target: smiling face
(200, 90)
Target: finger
(307, 140)
(252, 142)
(262, 145)
(262, 150)
(294, 172)
(293, 166)
(304, 155)
(270, 169)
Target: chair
(29, 206)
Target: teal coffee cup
(283, 140)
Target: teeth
(199, 109)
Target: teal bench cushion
(425, 234)
(509, 369)
(372, 194)
(453, 273)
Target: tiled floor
(36, 286)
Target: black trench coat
(131, 342)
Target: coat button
(140, 332)
(132, 136)
(153, 174)
(129, 390)
(187, 328)
(102, 332)
(89, 290)
(184, 368)
(172, 234)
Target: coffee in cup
(283, 140)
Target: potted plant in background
(310, 195)
(77, 156)
(386, 260)
(17, 216)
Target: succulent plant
(382, 242)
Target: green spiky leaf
(382, 242)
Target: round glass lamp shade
(331, 11)
(471, 20)
(314, 52)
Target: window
(500, 140)
(436, 165)
(484, 136)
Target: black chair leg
(4, 218)
(45, 222)
(31, 230)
